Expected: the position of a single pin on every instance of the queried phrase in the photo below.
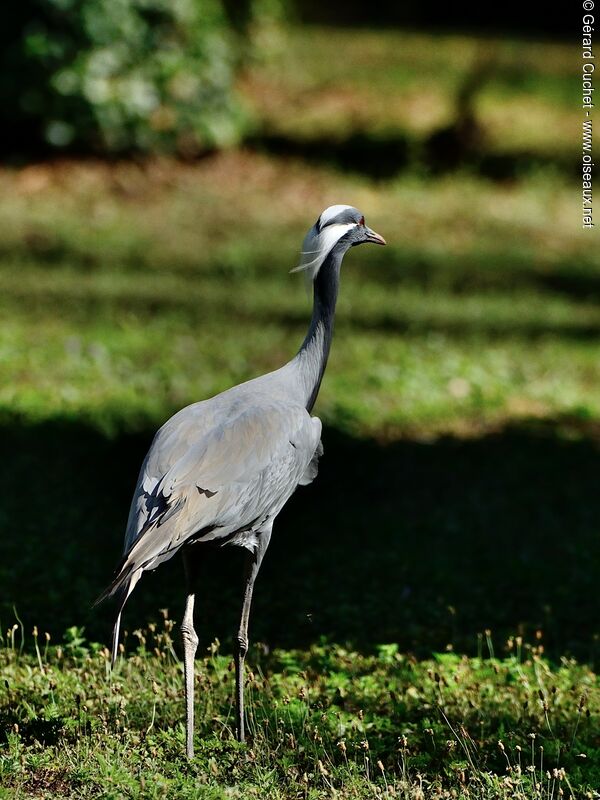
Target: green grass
(323, 722)
(405, 84)
(483, 301)
(457, 494)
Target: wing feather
(205, 479)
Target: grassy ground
(323, 722)
(332, 85)
(457, 494)
(483, 303)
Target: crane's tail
(122, 586)
(145, 553)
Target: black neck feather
(320, 333)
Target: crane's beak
(373, 237)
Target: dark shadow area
(571, 283)
(487, 271)
(514, 17)
(457, 329)
(47, 732)
(424, 544)
(403, 324)
(385, 157)
(378, 157)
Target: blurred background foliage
(152, 76)
(117, 76)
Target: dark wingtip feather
(118, 582)
(119, 589)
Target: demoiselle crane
(222, 469)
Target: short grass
(322, 82)
(454, 519)
(323, 722)
(482, 303)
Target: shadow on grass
(403, 324)
(117, 282)
(413, 314)
(382, 157)
(47, 732)
(406, 321)
(379, 157)
(423, 544)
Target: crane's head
(338, 227)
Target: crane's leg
(253, 562)
(190, 645)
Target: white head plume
(321, 239)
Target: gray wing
(207, 480)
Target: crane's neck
(311, 359)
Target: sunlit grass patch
(324, 720)
(135, 290)
(407, 83)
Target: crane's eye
(361, 221)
